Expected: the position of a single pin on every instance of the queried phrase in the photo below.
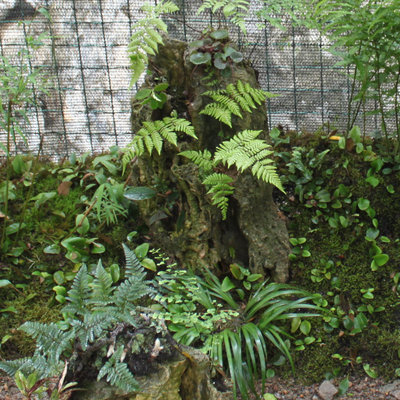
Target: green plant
(231, 100)
(20, 85)
(145, 40)
(234, 11)
(366, 43)
(152, 135)
(235, 331)
(155, 97)
(214, 49)
(96, 312)
(244, 151)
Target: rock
(390, 387)
(396, 394)
(186, 378)
(327, 390)
(195, 234)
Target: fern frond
(133, 268)
(218, 111)
(129, 291)
(101, 286)
(79, 293)
(229, 103)
(220, 189)
(152, 135)
(232, 100)
(145, 39)
(200, 158)
(245, 151)
(93, 326)
(49, 338)
(10, 367)
(117, 373)
(235, 10)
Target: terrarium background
(88, 107)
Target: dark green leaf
(139, 193)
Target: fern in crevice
(244, 151)
(145, 40)
(117, 372)
(233, 100)
(221, 188)
(152, 135)
(200, 158)
(234, 10)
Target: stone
(327, 390)
(185, 378)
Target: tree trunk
(181, 219)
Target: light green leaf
(305, 327)
(227, 284)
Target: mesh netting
(86, 62)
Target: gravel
(359, 389)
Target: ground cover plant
(338, 195)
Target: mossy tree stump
(181, 218)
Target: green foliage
(233, 10)
(95, 306)
(244, 151)
(232, 100)
(221, 188)
(20, 85)
(364, 40)
(235, 333)
(145, 40)
(152, 135)
(215, 49)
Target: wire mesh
(86, 61)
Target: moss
(33, 304)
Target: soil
(359, 389)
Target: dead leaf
(63, 188)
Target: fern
(101, 286)
(152, 135)
(97, 312)
(232, 100)
(133, 268)
(146, 38)
(221, 188)
(245, 151)
(79, 293)
(93, 326)
(202, 159)
(234, 10)
(49, 339)
(117, 373)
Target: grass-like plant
(243, 330)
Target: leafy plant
(233, 100)
(244, 151)
(20, 85)
(155, 97)
(152, 135)
(365, 42)
(94, 315)
(215, 49)
(145, 40)
(233, 10)
(235, 333)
